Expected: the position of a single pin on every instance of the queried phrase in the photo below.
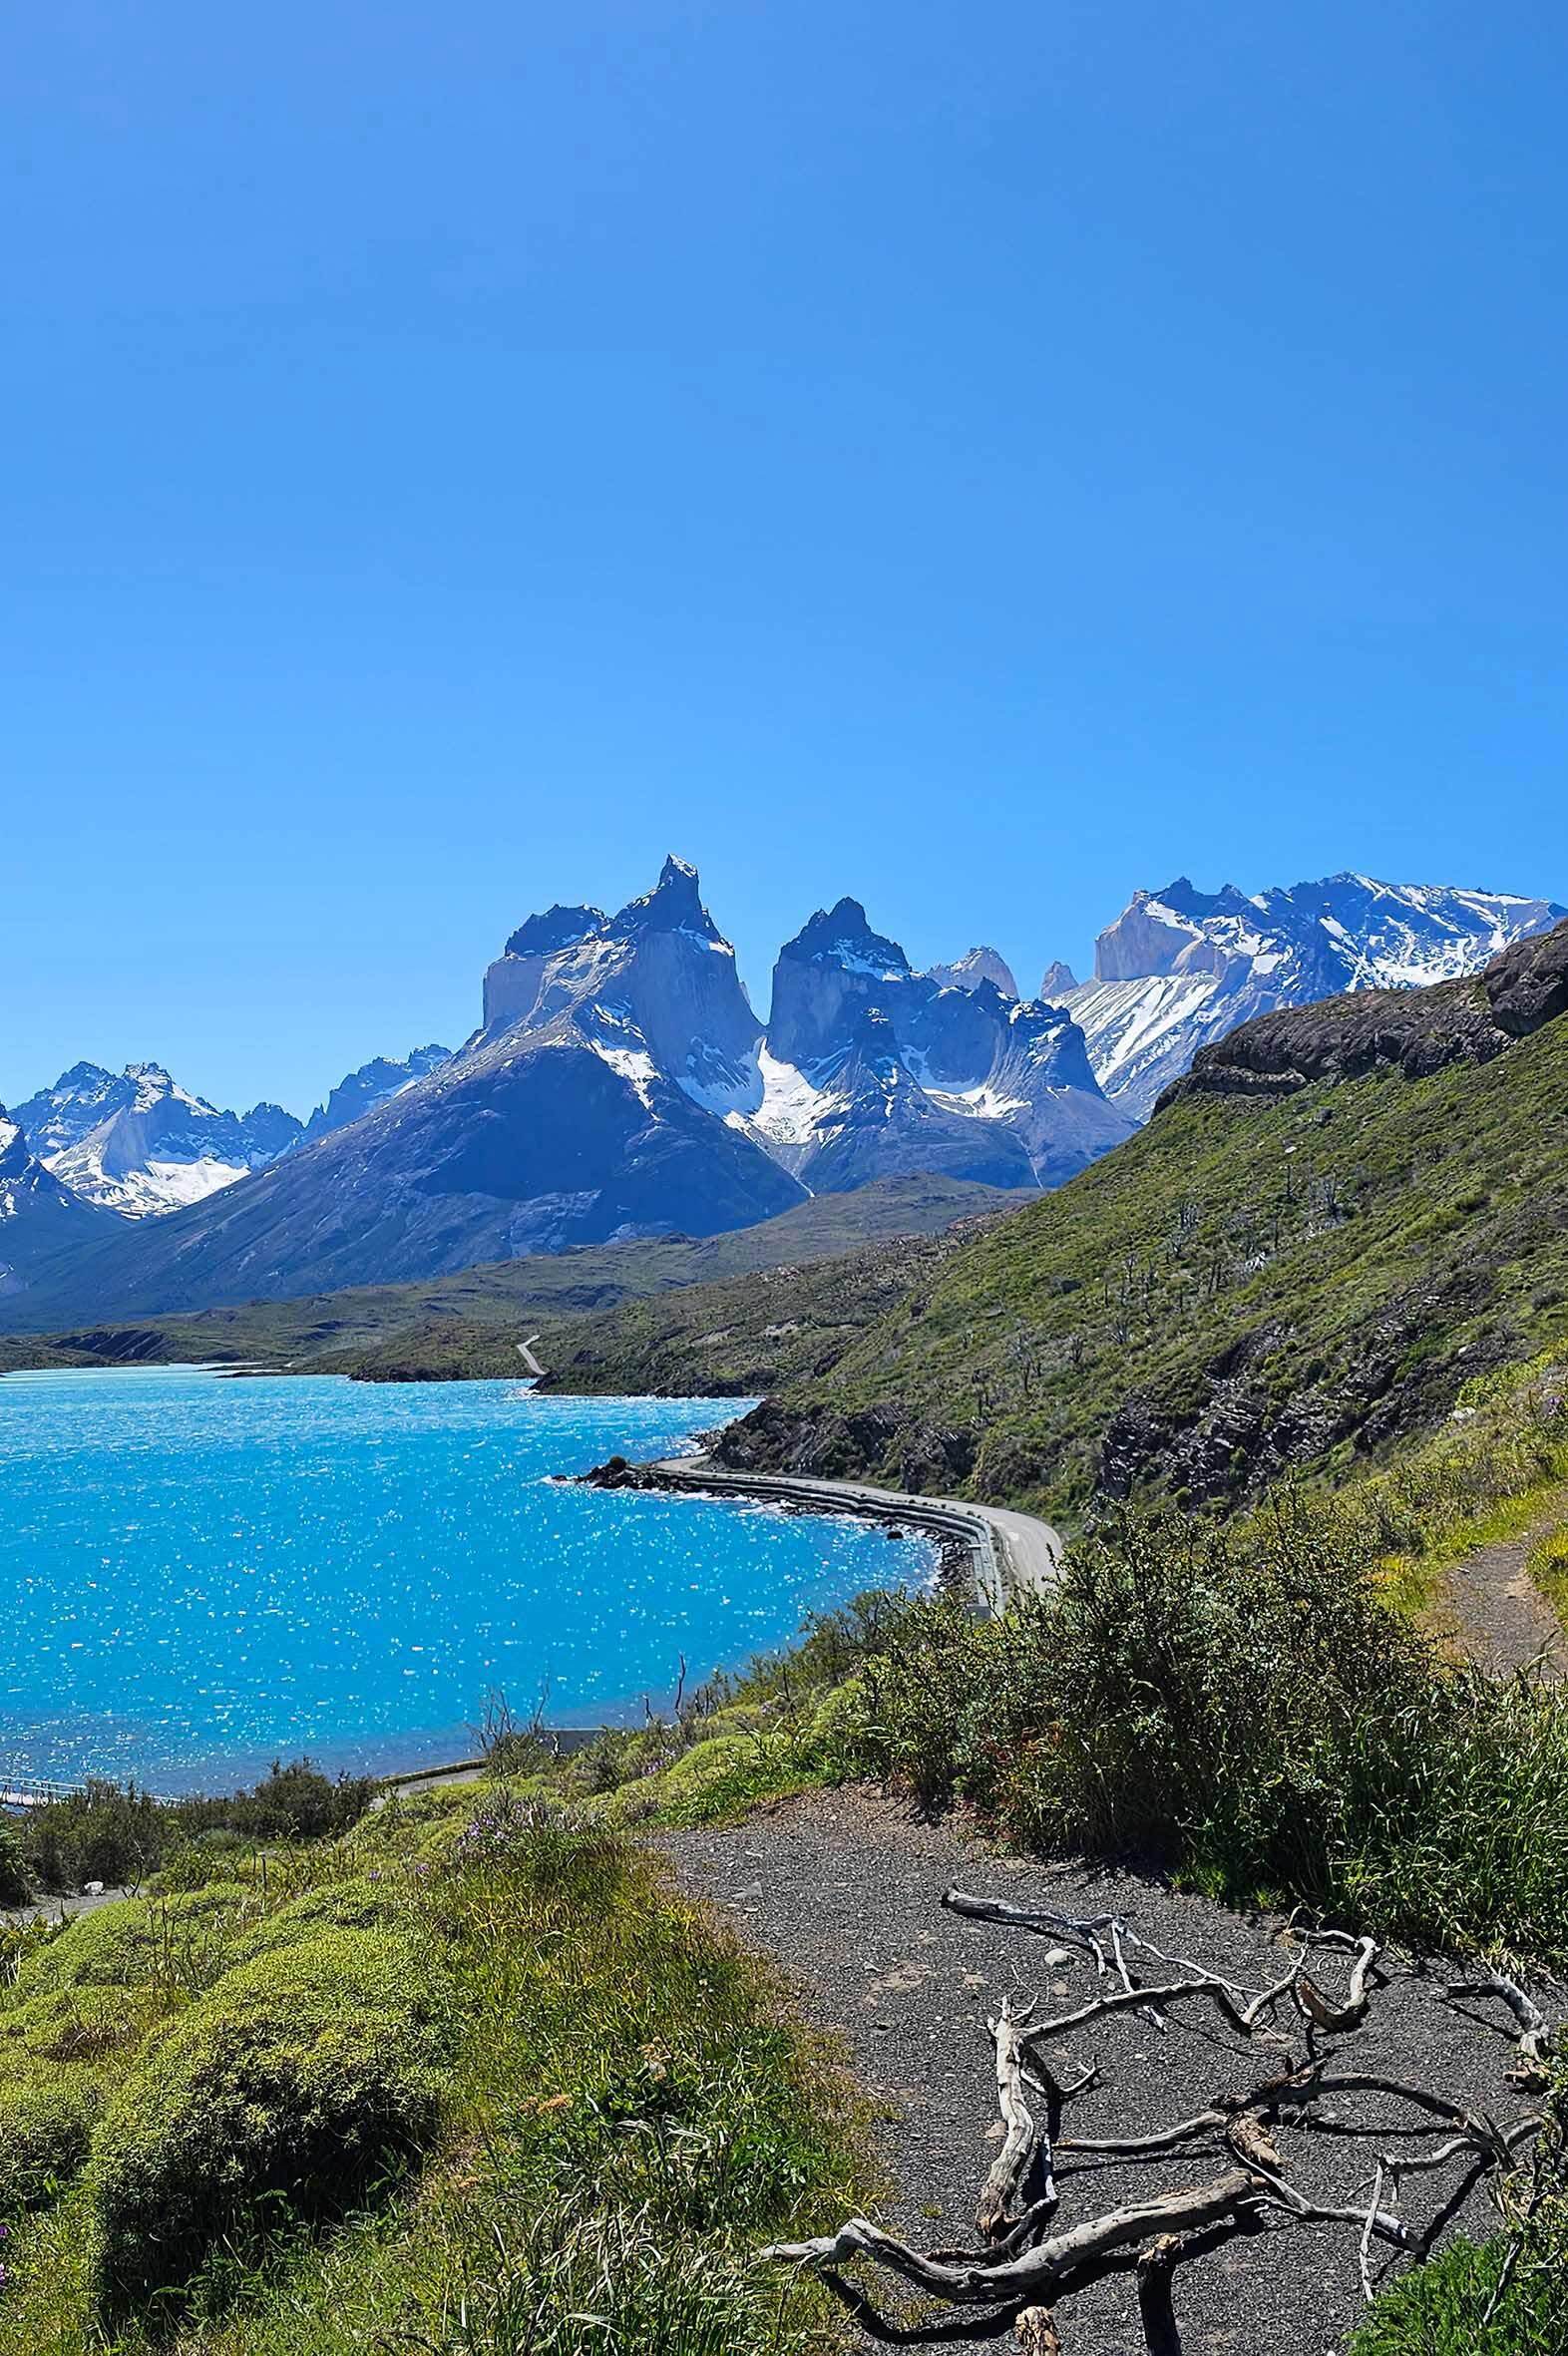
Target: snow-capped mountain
(581, 1117)
(371, 1085)
(138, 1143)
(41, 1221)
(978, 965)
(870, 1069)
(657, 982)
(1181, 968)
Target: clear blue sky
(981, 458)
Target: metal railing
(32, 1792)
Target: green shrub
(45, 2129)
(301, 2083)
(15, 1884)
(121, 1837)
(367, 1902)
(184, 1939)
(1246, 1711)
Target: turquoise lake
(199, 1574)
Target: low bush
(302, 2081)
(363, 1902)
(45, 2129)
(121, 1836)
(184, 1939)
(15, 1882)
(1246, 1711)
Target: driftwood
(1030, 2264)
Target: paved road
(52, 1909)
(1015, 1553)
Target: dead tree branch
(1029, 2262)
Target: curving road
(1011, 1553)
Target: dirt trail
(1495, 1611)
(844, 1887)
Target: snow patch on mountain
(139, 1143)
(1180, 968)
(976, 967)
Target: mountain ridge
(1180, 968)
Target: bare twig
(1533, 2027)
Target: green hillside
(1266, 1278)
(446, 2082)
(468, 1324)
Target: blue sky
(981, 459)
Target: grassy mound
(45, 2126)
(305, 2078)
(471, 2072)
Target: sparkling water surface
(199, 1574)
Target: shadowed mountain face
(1180, 968)
(41, 1221)
(578, 1122)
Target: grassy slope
(619, 2108)
(1246, 1287)
(468, 1323)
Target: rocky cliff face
(1180, 968)
(138, 1143)
(41, 1221)
(660, 965)
(978, 965)
(870, 1069)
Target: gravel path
(1502, 1619)
(842, 1888)
(64, 1908)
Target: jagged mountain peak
(673, 904)
(371, 1086)
(1058, 979)
(138, 1143)
(555, 927)
(976, 966)
(842, 935)
(1179, 968)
